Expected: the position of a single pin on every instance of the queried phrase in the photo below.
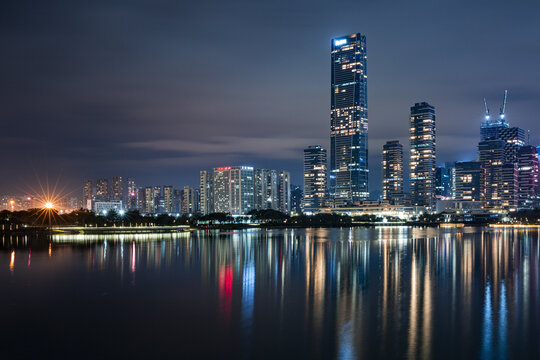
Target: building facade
(349, 120)
(422, 154)
(88, 194)
(234, 189)
(469, 178)
(117, 188)
(528, 173)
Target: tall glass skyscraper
(422, 160)
(349, 120)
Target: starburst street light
(48, 205)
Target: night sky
(159, 90)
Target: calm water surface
(304, 293)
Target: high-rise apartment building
(102, 190)
(284, 190)
(392, 171)
(315, 184)
(206, 192)
(149, 200)
(528, 177)
(158, 200)
(297, 197)
(88, 194)
(266, 192)
(131, 196)
(469, 177)
(117, 188)
(491, 156)
(349, 120)
(168, 199)
(233, 189)
(190, 201)
(422, 156)
(514, 138)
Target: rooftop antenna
(486, 110)
(503, 109)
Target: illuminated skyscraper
(168, 199)
(284, 189)
(469, 177)
(422, 157)
(528, 177)
(349, 120)
(117, 188)
(102, 190)
(88, 194)
(266, 190)
(233, 189)
(149, 200)
(190, 201)
(206, 192)
(392, 167)
(131, 202)
(315, 185)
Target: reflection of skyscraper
(315, 189)
(349, 120)
(422, 158)
(392, 167)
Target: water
(392, 292)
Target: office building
(528, 182)
(233, 189)
(297, 197)
(315, 184)
(422, 154)
(443, 183)
(469, 177)
(392, 171)
(491, 156)
(206, 192)
(514, 138)
(349, 121)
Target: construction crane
(503, 109)
(486, 110)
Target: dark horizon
(161, 90)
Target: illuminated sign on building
(339, 42)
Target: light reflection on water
(388, 292)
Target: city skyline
(167, 121)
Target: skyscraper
(513, 138)
(422, 157)
(88, 194)
(528, 177)
(168, 199)
(284, 190)
(233, 189)
(149, 200)
(469, 176)
(266, 187)
(392, 168)
(443, 183)
(349, 120)
(102, 190)
(491, 156)
(315, 185)
(117, 188)
(206, 192)
(190, 202)
(131, 202)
